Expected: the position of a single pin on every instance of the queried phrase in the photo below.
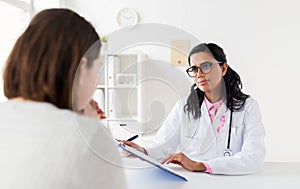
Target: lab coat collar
(223, 110)
(204, 111)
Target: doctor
(218, 129)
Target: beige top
(42, 146)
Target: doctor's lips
(202, 82)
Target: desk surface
(141, 175)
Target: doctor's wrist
(200, 167)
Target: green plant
(104, 38)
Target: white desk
(141, 175)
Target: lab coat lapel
(222, 110)
(216, 122)
(207, 132)
(204, 115)
(221, 129)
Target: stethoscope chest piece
(227, 153)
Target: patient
(50, 74)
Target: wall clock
(127, 18)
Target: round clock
(127, 18)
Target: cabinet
(119, 94)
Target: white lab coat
(179, 133)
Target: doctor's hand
(133, 145)
(185, 162)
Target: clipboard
(150, 160)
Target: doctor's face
(212, 77)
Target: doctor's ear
(224, 68)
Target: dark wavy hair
(235, 98)
(42, 64)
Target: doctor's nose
(199, 73)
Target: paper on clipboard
(150, 160)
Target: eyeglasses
(204, 67)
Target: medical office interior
(139, 86)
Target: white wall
(260, 38)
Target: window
(14, 16)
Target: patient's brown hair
(43, 62)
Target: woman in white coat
(218, 129)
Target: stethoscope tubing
(229, 132)
(227, 151)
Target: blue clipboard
(150, 160)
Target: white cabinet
(119, 94)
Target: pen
(132, 138)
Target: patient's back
(42, 146)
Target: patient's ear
(82, 71)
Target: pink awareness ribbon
(222, 120)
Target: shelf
(124, 118)
(101, 86)
(116, 86)
(121, 86)
(119, 94)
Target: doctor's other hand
(185, 162)
(133, 145)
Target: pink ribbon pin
(222, 120)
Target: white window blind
(14, 16)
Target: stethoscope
(227, 152)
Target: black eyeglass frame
(190, 69)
